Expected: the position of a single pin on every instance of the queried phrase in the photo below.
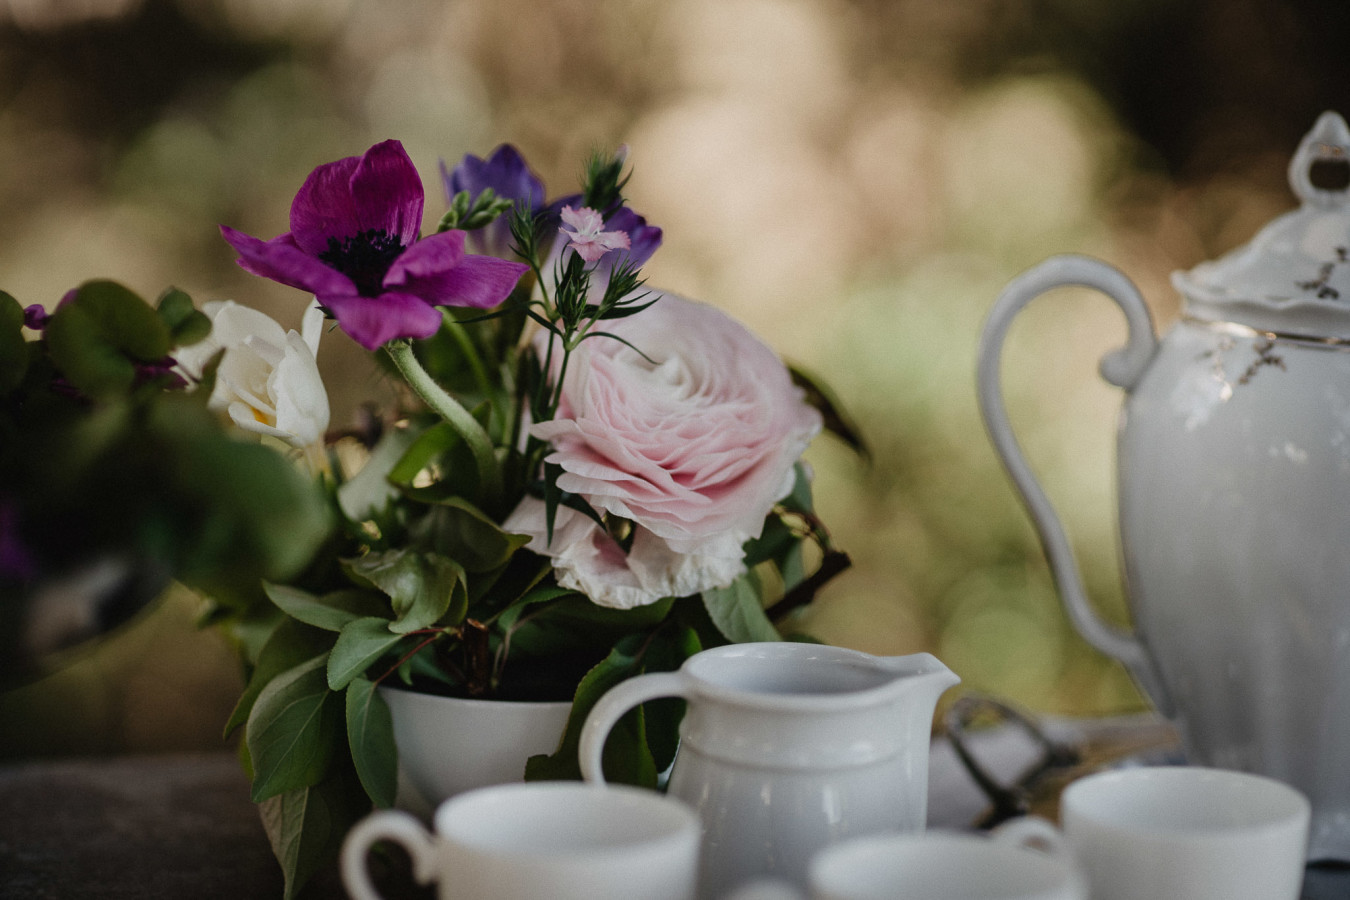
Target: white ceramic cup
(561, 840)
(944, 865)
(1187, 832)
(1024, 860)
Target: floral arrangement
(115, 480)
(583, 478)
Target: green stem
(461, 337)
(449, 409)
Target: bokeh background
(855, 179)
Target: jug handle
(611, 707)
(1122, 367)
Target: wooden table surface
(181, 827)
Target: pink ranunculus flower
(693, 445)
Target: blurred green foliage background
(855, 179)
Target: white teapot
(1234, 491)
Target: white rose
(268, 381)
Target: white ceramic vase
(448, 745)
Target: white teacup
(939, 865)
(1187, 832)
(561, 840)
(942, 865)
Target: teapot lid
(1293, 278)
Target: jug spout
(920, 671)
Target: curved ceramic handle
(385, 825)
(1123, 368)
(611, 707)
(1034, 833)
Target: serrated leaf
(737, 611)
(293, 730)
(668, 650)
(576, 624)
(459, 530)
(288, 645)
(370, 735)
(361, 643)
(306, 826)
(539, 595)
(423, 588)
(331, 612)
(626, 758)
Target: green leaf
(361, 643)
(370, 735)
(293, 730)
(331, 612)
(737, 611)
(799, 500)
(289, 644)
(838, 421)
(545, 593)
(255, 515)
(668, 650)
(423, 588)
(124, 319)
(793, 567)
(90, 362)
(306, 826)
(577, 624)
(429, 445)
(626, 758)
(187, 325)
(13, 347)
(95, 338)
(776, 539)
(459, 530)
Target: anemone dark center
(365, 258)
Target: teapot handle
(1122, 367)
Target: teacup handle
(611, 707)
(1034, 833)
(1123, 368)
(385, 825)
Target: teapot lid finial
(1293, 277)
(1327, 145)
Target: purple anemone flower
(354, 245)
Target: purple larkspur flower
(354, 245)
(509, 176)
